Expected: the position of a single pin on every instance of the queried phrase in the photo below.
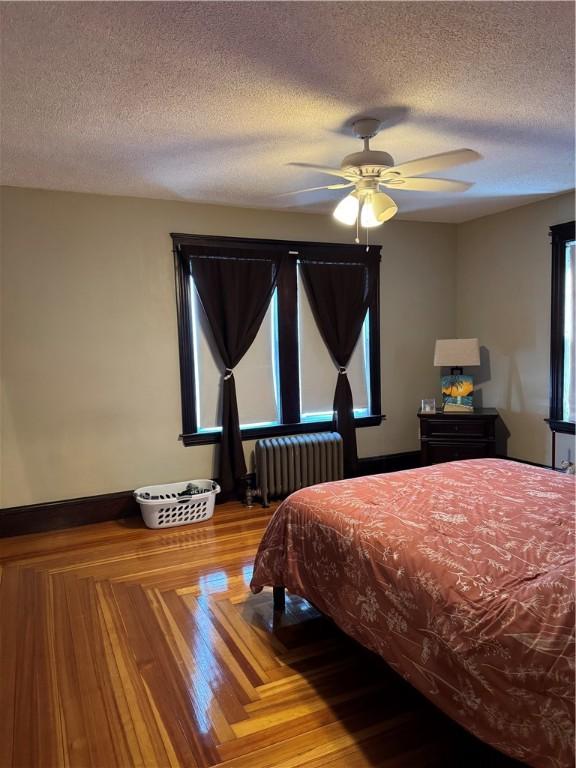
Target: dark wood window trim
(556, 425)
(293, 251)
(560, 234)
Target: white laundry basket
(162, 507)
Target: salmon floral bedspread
(461, 576)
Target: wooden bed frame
(279, 597)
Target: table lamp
(457, 389)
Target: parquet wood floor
(122, 646)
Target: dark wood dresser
(454, 436)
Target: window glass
(256, 375)
(318, 372)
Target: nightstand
(454, 436)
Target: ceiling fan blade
(325, 169)
(313, 189)
(426, 185)
(436, 162)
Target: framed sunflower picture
(457, 393)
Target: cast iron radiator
(285, 464)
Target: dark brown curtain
(235, 294)
(339, 295)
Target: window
(256, 408)
(285, 383)
(562, 343)
(317, 370)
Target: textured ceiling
(209, 101)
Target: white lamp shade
(384, 207)
(346, 211)
(377, 208)
(456, 353)
(367, 217)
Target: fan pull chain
(357, 238)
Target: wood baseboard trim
(69, 513)
(392, 462)
(525, 461)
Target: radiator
(285, 464)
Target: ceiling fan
(370, 171)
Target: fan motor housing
(370, 161)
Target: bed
(461, 576)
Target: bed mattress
(461, 576)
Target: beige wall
(503, 298)
(89, 355)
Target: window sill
(304, 427)
(556, 425)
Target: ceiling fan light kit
(370, 170)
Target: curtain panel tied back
(235, 294)
(339, 295)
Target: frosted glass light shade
(456, 353)
(377, 208)
(367, 217)
(384, 207)
(346, 211)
